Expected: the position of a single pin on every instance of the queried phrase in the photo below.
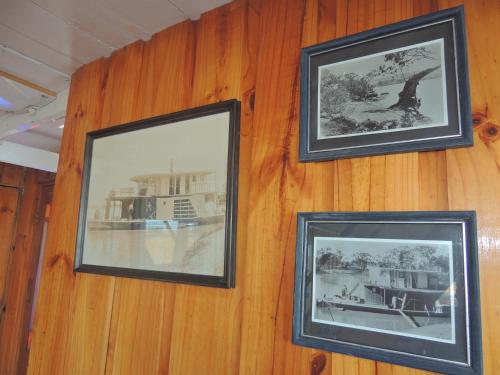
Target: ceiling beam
(27, 83)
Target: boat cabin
(408, 278)
(166, 196)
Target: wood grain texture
(12, 175)
(58, 288)
(133, 346)
(9, 198)
(21, 225)
(249, 50)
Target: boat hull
(153, 224)
(382, 309)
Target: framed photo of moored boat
(399, 287)
(398, 88)
(159, 198)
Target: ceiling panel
(40, 25)
(37, 51)
(103, 22)
(27, 69)
(149, 15)
(194, 8)
(50, 128)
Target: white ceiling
(42, 42)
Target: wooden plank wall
(89, 324)
(19, 264)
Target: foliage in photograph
(383, 92)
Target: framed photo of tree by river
(159, 198)
(398, 88)
(399, 287)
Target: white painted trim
(31, 157)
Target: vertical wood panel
(54, 313)
(11, 175)
(141, 324)
(20, 235)
(473, 174)
(276, 180)
(207, 318)
(249, 50)
(12, 316)
(92, 299)
(167, 71)
(9, 197)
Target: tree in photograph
(363, 260)
(333, 95)
(338, 90)
(425, 256)
(400, 64)
(402, 257)
(443, 262)
(359, 87)
(408, 100)
(421, 257)
(329, 260)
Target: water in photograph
(191, 249)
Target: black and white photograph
(398, 287)
(398, 88)
(156, 197)
(385, 92)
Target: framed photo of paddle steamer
(400, 287)
(398, 88)
(159, 198)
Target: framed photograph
(159, 198)
(398, 88)
(399, 287)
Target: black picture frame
(446, 337)
(357, 118)
(227, 278)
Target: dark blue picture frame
(459, 129)
(467, 221)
